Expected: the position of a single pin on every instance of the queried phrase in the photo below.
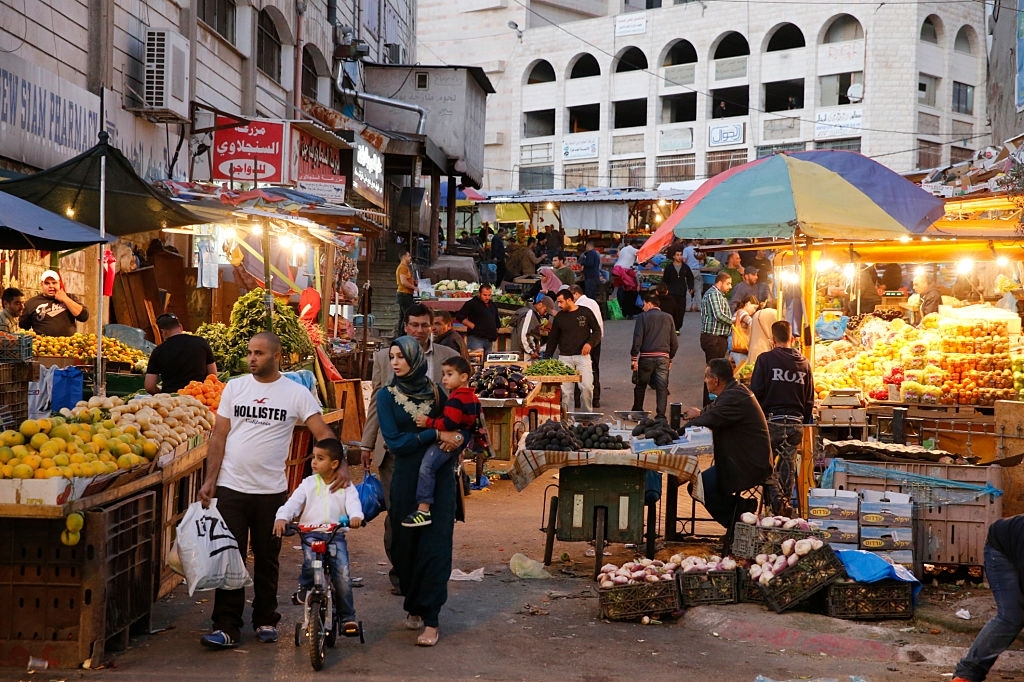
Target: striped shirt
(715, 315)
(460, 411)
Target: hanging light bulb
(824, 265)
(964, 266)
(228, 233)
(257, 230)
(1002, 261)
(549, 206)
(70, 212)
(285, 240)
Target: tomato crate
(711, 587)
(871, 601)
(749, 541)
(809, 575)
(629, 602)
(72, 604)
(747, 591)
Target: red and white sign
(316, 166)
(255, 151)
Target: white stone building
(605, 94)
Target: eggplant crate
(871, 601)
(809, 575)
(749, 541)
(629, 602)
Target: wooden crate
(183, 478)
(71, 604)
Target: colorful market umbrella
(825, 194)
(464, 196)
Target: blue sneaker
(218, 639)
(266, 634)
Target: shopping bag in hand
(208, 552)
(371, 495)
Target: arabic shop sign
(723, 134)
(368, 171)
(317, 166)
(248, 152)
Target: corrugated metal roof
(541, 196)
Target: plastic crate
(747, 591)
(943, 533)
(811, 574)
(712, 587)
(16, 351)
(749, 541)
(871, 601)
(14, 380)
(628, 602)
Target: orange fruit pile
(207, 391)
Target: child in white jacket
(315, 504)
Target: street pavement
(505, 628)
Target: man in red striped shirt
(460, 413)
(655, 343)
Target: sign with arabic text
(837, 123)
(249, 152)
(367, 171)
(316, 167)
(724, 134)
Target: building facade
(619, 96)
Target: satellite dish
(855, 93)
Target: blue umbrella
(23, 225)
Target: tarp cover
(132, 204)
(23, 225)
(603, 216)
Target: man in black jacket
(480, 316)
(742, 447)
(574, 332)
(655, 343)
(784, 387)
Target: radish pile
(636, 572)
(783, 522)
(767, 566)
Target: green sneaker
(417, 519)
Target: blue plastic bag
(371, 495)
(831, 330)
(68, 384)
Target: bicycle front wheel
(317, 636)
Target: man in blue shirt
(591, 262)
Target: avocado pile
(552, 435)
(596, 437)
(502, 382)
(656, 429)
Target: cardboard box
(47, 491)
(885, 508)
(825, 504)
(9, 490)
(843, 532)
(840, 546)
(903, 557)
(880, 537)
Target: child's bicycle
(320, 613)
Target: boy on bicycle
(315, 505)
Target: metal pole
(98, 384)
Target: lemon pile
(55, 448)
(83, 347)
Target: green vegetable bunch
(218, 335)
(230, 344)
(549, 368)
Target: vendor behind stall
(526, 326)
(931, 298)
(13, 307)
(181, 358)
(53, 312)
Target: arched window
(681, 52)
(268, 47)
(786, 37)
(843, 27)
(309, 74)
(542, 72)
(631, 59)
(930, 30)
(732, 45)
(962, 43)
(585, 67)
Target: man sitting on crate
(742, 447)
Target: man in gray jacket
(655, 343)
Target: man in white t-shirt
(595, 353)
(245, 472)
(627, 255)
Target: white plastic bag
(208, 551)
(39, 393)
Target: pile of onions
(636, 572)
(767, 566)
(783, 522)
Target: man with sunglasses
(181, 358)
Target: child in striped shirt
(460, 413)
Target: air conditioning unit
(166, 88)
(395, 53)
